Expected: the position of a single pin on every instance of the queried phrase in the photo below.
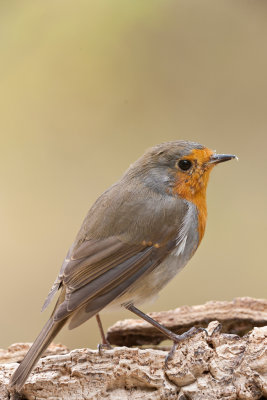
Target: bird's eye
(185, 165)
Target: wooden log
(208, 366)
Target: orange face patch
(191, 185)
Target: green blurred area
(85, 88)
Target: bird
(135, 238)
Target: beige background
(85, 88)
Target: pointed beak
(218, 158)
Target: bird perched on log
(136, 237)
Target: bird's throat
(194, 190)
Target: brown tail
(45, 337)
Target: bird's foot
(103, 346)
(180, 338)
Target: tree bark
(210, 365)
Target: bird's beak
(218, 158)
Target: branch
(205, 367)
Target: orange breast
(199, 199)
(192, 187)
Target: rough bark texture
(212, 365)
(16, 352)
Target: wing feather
(95, 285)
(79, 273)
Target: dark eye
(184, 164)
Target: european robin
(136, 237)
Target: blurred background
(85, 88)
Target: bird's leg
(105, 343)
(172, 336)
(102, 333)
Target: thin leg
(100, 326)
(105, 343)
(151, 321)
(169, 334)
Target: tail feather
(45, 337)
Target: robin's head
(178, 168)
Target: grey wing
(101, 270)
(73, 259)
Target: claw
(102, 346)
(197, 330)
(170, 355)
(180, 338)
